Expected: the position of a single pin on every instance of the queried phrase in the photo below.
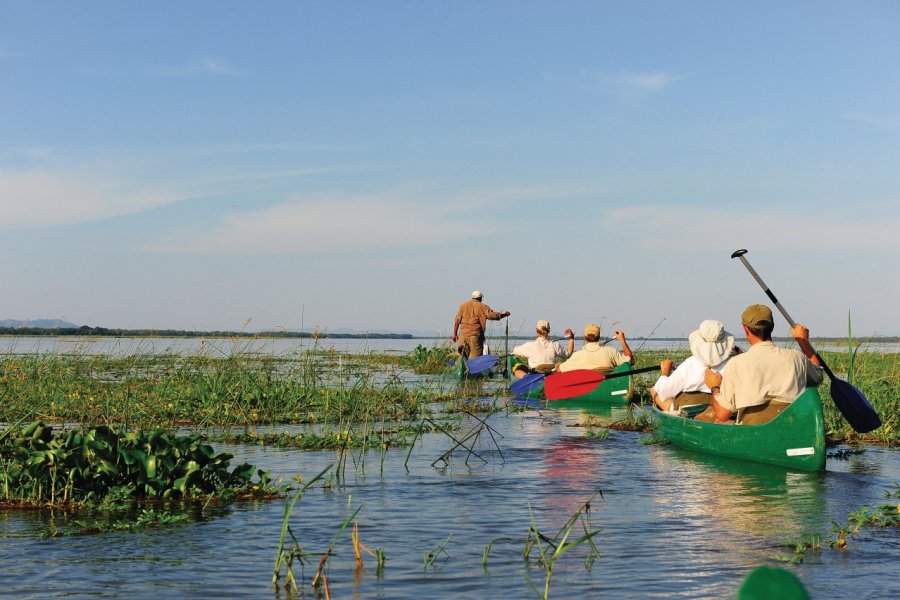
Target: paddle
(569, 384)
(849, 400)
(530, 382)
(482, 363)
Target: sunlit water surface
(673, 525)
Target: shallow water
(674, 524)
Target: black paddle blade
(854, 406)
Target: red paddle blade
(570, 384)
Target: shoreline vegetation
(87, 331)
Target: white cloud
(43, 198)
(341, 223)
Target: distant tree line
(84, 330)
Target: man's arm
(625, 349)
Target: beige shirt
(596, 357)
(472, 316)
(766, 372)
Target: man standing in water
(469, 326)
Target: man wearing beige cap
(596, 357)
(762, 381)
(469, 325)
(540, 354)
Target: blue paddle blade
(482, 363)
(528, 383)
(854, 406)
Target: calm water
(674, 524)
(285, 347)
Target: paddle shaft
(740, 254)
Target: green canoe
(794, 439)
(609, 392)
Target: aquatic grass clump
(202, 390)
(550, 549)
(88, 465)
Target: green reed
(203, 389)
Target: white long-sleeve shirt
(688, 377)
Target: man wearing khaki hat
(540, 354)
(597, 357)
(469, 325)
(761, 382)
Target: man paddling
(469, 325)
(765, 379)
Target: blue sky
(232, 165)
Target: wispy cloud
(698, 228)
(625, 81)
(340, 223)
(199, 66)
(882, 121)
(43, 198)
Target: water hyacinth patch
(39, 467)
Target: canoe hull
(794, 439)
(610, 392)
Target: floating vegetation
(881, 517)
(89, 465)
(801, 548)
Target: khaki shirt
(766, 372)
(471, 318)
(596, 357)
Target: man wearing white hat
(469, 325)
(541, 354)
(711, 347)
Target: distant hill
(38, 323)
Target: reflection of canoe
(795, 438)
(617, 390)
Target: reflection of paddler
(711, 348)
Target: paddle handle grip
(740, 254)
